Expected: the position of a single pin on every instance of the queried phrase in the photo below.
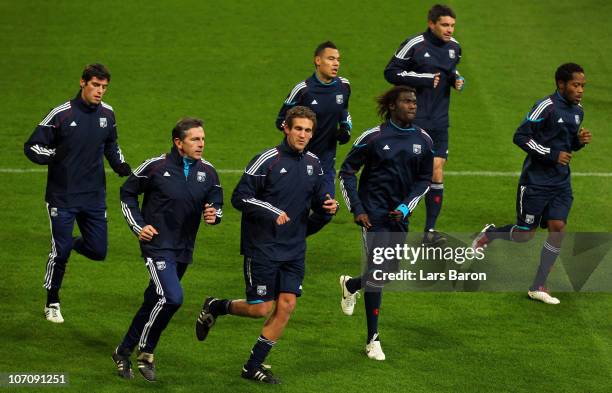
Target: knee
(174, 299)
(286, 305)
(98, 254)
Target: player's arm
(401, 70)
(322, 202)
(213, 212)
(246, 194)
(293, 98)
(135, 185)
(345, 123)
(41, 147)
(582, 138)
(113, 153)
(526, 133)
(352, 164)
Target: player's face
(193, 143)
(443, 28)
(299, 134)
(328, 64)
(573, 90)
(404, 109)
(93, 91)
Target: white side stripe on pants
(158, 307)
(52, 255)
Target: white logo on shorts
(161, 265)
(262, 290)
(529, 218)
(53, 212)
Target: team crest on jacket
(161, 265)
(201, 177)
(309, 170)
(103, 122)
(451, 53)
(416, 149)
(577, 118)
(262, 290)
(339, 99)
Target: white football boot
(542, 295)
(348, 300)
(53, 313)
(374, 350)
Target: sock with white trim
(433, 203)
(259, 352)
(548, 256)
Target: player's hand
(343, 134)
(124, 169)
(459, 83)
(282, 219)
(584, 136)
(209, 214)
(363, 220)
(396, 216)
(436, 80)
(330, 205)
(564, 158)
(147, 233)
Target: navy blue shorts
(440, 142)
(535, 205)
(265, 279)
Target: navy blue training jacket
(172, 204)
(414, 64)
(275, 181)
(71, 140)
(397, 167)
(551, 126)
(329, 101)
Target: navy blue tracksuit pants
(92, 243)
(162, 298)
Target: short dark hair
(182, 126)
(389, 97)
(438, 11)
(96, 69)
(302, 112)
(322, 46)
(565, 72)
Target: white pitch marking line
(449, 173)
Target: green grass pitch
(232, 63)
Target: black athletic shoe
(146, 366)
(124, 365)
(205, 320)
(260, 374)
(433, 238)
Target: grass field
(232, 63)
